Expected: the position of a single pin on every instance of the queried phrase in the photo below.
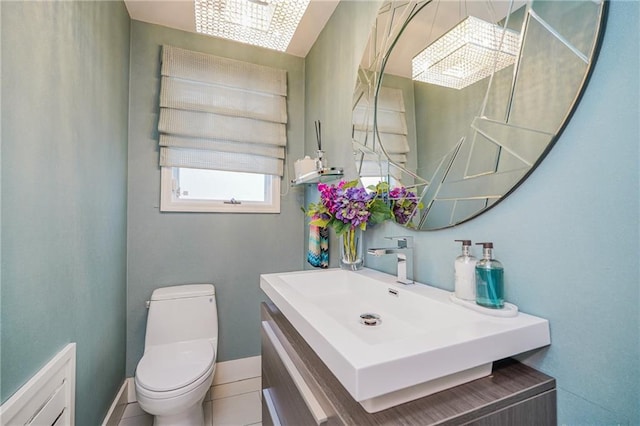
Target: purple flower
(351, 205)
(403, 204)
(346, 206)
(345, 203)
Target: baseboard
(237, 369)
(131, 390)
(226, 372)
(114, 415)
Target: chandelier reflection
(468, 53)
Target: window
(368, 181)
(223, 135)
(199, 190)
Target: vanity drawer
(290, 396)
(513, 394)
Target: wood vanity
(298, 389)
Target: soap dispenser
(489, 279)
(465, 278)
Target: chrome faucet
(405, 245)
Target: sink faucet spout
(401, 250)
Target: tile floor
(230, 404)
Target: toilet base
(194, 416)
(182, 410)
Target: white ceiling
(179, 14)
(433, 21)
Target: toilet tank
(181, 313)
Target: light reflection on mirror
(463, 150)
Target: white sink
(424, 343)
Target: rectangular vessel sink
(422, 343)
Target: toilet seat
(170, 370)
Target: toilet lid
(176, 365)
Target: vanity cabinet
(298, 389)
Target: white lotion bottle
(465, 273)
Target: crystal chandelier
(469, 52)
(264, 23)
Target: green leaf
(351, 184)
(340, 227)
(378, 217)
(320, 222)
(382, 187)
(315, 209)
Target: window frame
(169, 202)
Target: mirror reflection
(460, 101)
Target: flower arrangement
(347, 208)
(403, 204)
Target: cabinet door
(286, 397)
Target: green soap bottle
(489, 279)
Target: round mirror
(458, 102)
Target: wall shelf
(326, 174)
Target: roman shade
(392, 132)
(223, 114)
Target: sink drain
(370, 319)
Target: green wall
(65, 75)
(228, 250)
(569, 236)
(331, 72)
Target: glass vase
(351, 250)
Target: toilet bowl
(178, 364)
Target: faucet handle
(403, 241)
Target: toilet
(179, 358)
